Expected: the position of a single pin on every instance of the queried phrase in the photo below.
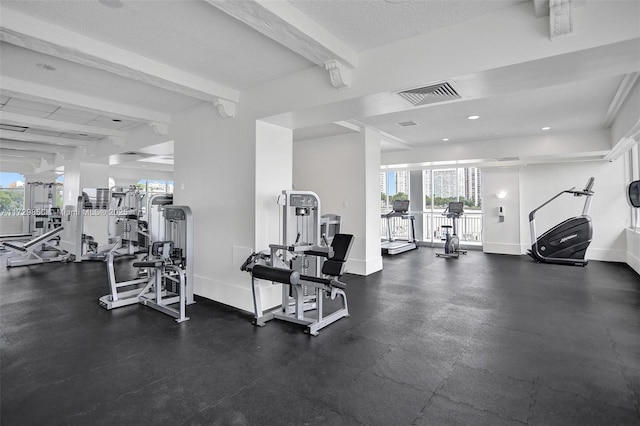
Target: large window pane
(394, 186)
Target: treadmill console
(400, 206)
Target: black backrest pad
(341, 246)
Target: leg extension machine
(295, 304)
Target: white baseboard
(633, 249)
(606, 255)
(634, 262)
(501, 248)
(237, 295)
(364, 267)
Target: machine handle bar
(586, 191)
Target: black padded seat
(334, 267)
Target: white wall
(216, 159)
(338, 169)
(531, 186)
(215, 175)
(10, 225)
(130, 176)
(633, 249)
(535, 148)
(501, 236)
(609, 210)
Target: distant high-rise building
(402, 182)
(444, 183)
(383, 182)
(473, 185)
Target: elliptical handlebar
(586, 191)
(589, 185)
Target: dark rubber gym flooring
(481, 340)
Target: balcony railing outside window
(469, 227)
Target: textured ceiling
(190, 35)
(23, 64)
(363, 25)
(580, 105)
(207, 46)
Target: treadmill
(396, 246)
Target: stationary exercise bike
(452, 243)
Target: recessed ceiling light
(473, 117)
(46, 67)
(445, 139)
(546, 128)
(407, 123)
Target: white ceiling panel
(581, 105)
(38, 106)
(363, 25)
(43, 132)
(26, 111)
(67, 119)
(79, 114)
(22, 64)
(190, 35)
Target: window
(393, 186)
(439, 187)
(443, 186)
(151, 186)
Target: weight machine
(125, 213)
(32, 252)
(307, 265)
(165, 275)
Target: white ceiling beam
(16, 166)
(22, 137)
(29, 91)
(65, 151)
(41, 36)
(58, 126)
(623, 92)
(288, 26)
(10, 153)
(541, 8)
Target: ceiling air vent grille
(430, 94)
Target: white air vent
(13, 128)
(433, 93)
(508, 159)
(407, 123)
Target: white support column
(373, 252)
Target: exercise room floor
(481, 340)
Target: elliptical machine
(567, 242)
(452, 243)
